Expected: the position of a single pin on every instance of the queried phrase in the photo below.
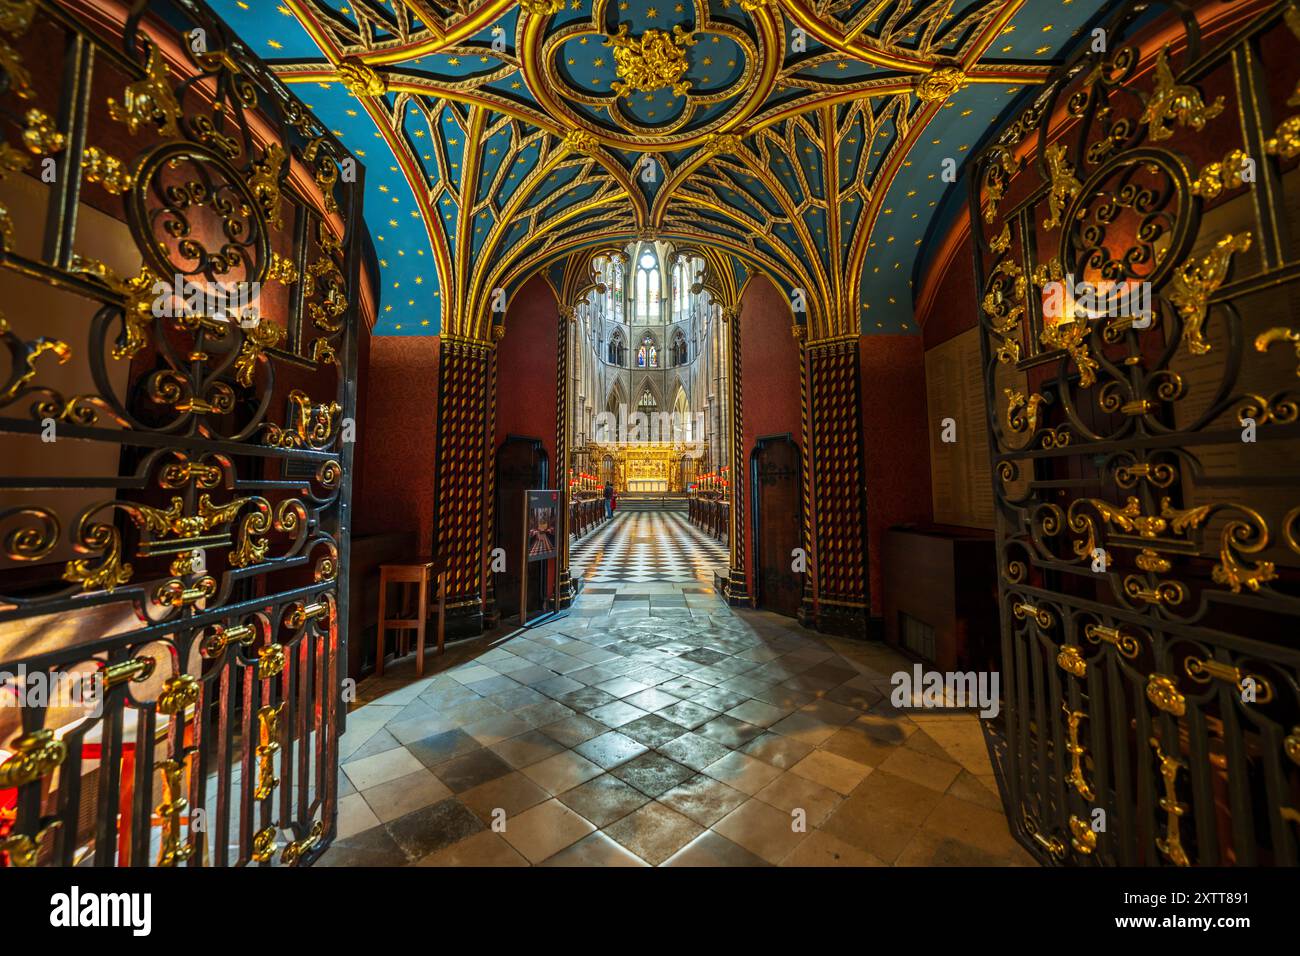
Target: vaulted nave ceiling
(805, 138)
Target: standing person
(609, 499)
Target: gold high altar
(646, 467)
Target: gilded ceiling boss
(743, 433)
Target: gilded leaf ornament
(723, 143)
(1172, 102)
(174, 522)
(16, 15)
(149, 102)
(1022, 413)
(137, 293)
(580, 141)
(1266, 340)
(360, 79)
(41, 134)
(1217, 177)
(651, 61)
(261, 336)
(1286, 141)
(111, 572)
(11, 65)
(939, 84)
(31, 351)
(541, 8)
(110, 172)
(1195, 281)
(264, 183)
(1065, 185)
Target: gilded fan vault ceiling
(805, 139)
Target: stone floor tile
(503, 798)
(822, 849)
(779, 751)
(604, 799)
(652, 773)
(703, 799)
(791, 792)
(742, 772)
(654, 832)
(711, 848)
(432, 828)
(562, 772)
(545, 830)
(595, 849)
(527, 748)
(484, 848)
(399, 797)
(610, 749)
(761, 829)
(380, 768)
(831, 770)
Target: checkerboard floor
(653, 724)
(647, 546)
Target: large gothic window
(679, 291)
(617, 349)
(615, 283)
(647, 286)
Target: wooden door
(778, 521)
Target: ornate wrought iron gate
(1146, 463)
(179, 286)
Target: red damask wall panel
(769, 358)
(893, 435)
(526, 369)
(396, 450)
(949, 301)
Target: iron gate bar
(280, 679)
(1124, 688)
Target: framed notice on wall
(541, 525)
(541, 541)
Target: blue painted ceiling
(805, 139)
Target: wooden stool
(419, 573)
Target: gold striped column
(836, 598)
(735, 589)
(567, 317)
(466, 417)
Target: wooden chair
(419, 573)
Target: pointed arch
(647, 387)
(617, 396)
(616, 349)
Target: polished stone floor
(654, 725)
(645, 547)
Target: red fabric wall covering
(952, 307)
(397, 447)
(769, 358)
(896, 448)
(526, 369)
